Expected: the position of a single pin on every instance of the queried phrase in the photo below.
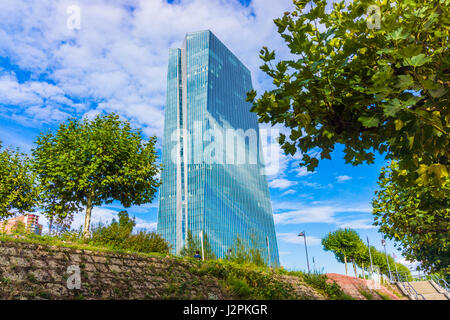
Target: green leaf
(397, 34)
(418, 60)
(438, 92)
(369, 122)
(391, 109)
(404, 81)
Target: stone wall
(35, 271)
(39, 271)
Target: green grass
(239, 287)
(54, 241)
(366, 294)
(31, 277)
(330, 290)
(382, 295)
(4, 280)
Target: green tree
(92, 162)
(194, 244)
(344, 243)
(116, 233)
(371, 89)
(18, 188)
(191, 246)
(119, 235)
(209, 253)
(238, 252)
(59, 212)
(379, 259)
(246, 252)
(361, 257)
(417, 218)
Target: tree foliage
(417, 218)
(243, 252)
(87, 163)
(119, 235)
(18, 189)
(371, 89)
(344, 243)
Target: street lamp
(302, 234)
(383, 243)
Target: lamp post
(383, 243)
(302, 234)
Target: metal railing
(441, 283)
(404, 281)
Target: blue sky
(116, 62)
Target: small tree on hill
(18, 189)
(92, 162)
(209, 253)
(243, 253)
(194, 244)
(344, 243)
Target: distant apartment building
(30, 223)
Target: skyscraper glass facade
(213, 179)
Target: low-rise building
(30, 223)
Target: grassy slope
(245, 281)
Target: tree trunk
(362, 268)
(345, 261)
(50, 226)
(354, 268)
(87, 219)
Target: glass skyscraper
(213, 179)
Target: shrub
(243, 253)
(146, 242)
(319, 281)
(115, 234)
(239, 287)
(118, 235)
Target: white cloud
(292, 237)
(357, 224)
(290, 191)
(101, 215)
(117, 61)
(281, 183)
(411, 265)
(343, 178)
(322, 214)
(303, 172)
(293, 212)
(142, 224)
(315, 185)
